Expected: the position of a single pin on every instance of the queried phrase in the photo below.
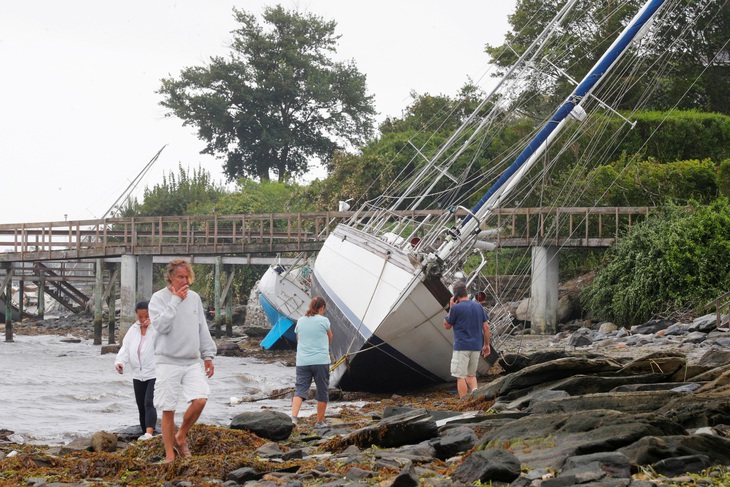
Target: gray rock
(695, 337)
(651, 327)
(553, 370)
(488, 465)
(78, 444)
(611, 463)
(581, 338)
(704, 323)
(271, 425)
(512, 362)
(715, 357)
(607, 327)
(103, 441)
(672, 467)
(652, 449)
(454, 441)
(269, 450)
(356, 473)
(407, 477)
(547, 440)
(403, 429)
(677, 329)
(627, 402)
(106, 349)
(723, 342)
(242, 475)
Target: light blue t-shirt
(313, 344)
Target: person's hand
(486, 350)
(209, 368)
(181, 293)
(119, 368)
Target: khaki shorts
(176, 380)
(464, 363)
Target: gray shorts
(464, 363)
(174, 381)
(321, 376)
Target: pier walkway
(62, 257)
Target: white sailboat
(284, 296)
(387, 281)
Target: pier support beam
(128, 294)
(98, 301)
(41, 297)
(9, 304)
(217, 295)
(544, 290)
(228, 293)
(111, 302)
(144, 278)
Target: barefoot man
(183, 339)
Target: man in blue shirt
(471, 337)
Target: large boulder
(271, 425)
(403, 429)
(547, 440)
(486, 466)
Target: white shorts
(464, 363)
(174, 380)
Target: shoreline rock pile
(643, 407)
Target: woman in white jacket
(138, 351)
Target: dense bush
(650, 183)
(678, 260)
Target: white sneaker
(294, 420)
(320, 424)
(145, 436)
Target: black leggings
(144, 393)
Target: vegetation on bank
(674, 262)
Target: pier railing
(286, 232)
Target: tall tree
(278, 101)
(695, 58)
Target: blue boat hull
(282, 327)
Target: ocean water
(52, 392)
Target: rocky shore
(591, 406)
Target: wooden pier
(277, 233)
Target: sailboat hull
(387, 319)
(284, 300)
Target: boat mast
(509, 179)
(425, 173)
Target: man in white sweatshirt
(183, 339)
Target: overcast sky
(80, 117)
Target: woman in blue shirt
(313, 359)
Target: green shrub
(676, 261)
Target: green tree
(278, 101)
(674, 262)
(257, 197)
(188, 193)
(694, 59)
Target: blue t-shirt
(466, 318)
(313, 344)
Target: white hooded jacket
(143, 369)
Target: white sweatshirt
(182, 332)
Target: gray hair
(460, 289)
